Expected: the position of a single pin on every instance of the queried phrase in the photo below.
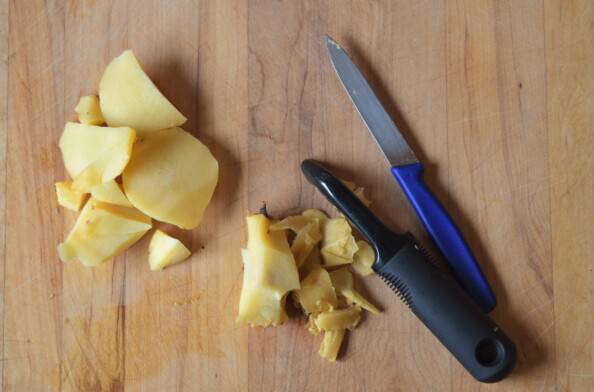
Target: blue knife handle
(446, 235)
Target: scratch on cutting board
(544, 331)
(537, 307)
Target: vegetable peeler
(407, 170)
(430, 293)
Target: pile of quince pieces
(313, 269)
(138, 167)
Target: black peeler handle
(432, 294)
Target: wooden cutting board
(496, 97)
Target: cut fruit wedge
(109, 149)
(68, 197)
(108, 219)
(128, 97)
(88, 110)
(171, 177)
(165, 251)
(103, 231)
(110, 192)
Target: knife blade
(407, 170)
(385, 133)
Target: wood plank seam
(5, 28)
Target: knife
(431, 294)
(407, 170)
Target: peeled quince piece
(261, 306)
(171, 177)
(128, 97)
(110, 192)
(312, 327)
(308, 234)
(316, 293)
(331, 344)
(89, 178)
(343, 282)
(320, 216)
(339, 245)
(338, 319)
(313, 260)
(269, 273)
(102, 231)
(305, 240)
(363, 259)
(106, 150)
(342, 279)
(89, 111)
(295, 223)
(165, 250)
(68, 197)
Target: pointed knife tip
(330, 42)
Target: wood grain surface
(496, 97)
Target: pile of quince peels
(313, 270)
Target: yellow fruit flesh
(331, 344)
(338, 245)
(165, 251)
(171, 177)
(308, 235)
(262, 306)
(128, 97)
(110, 192)
(338, 319)
(343, 282)
(363, 259)
(304, 242)
(312, 213)
(103, 231)
(269, 273)
(355, 298)
(114, 219)
(313, 260)
(295, 223)
(316, 293)
(328, 298)
(312, 326)
(109, 149)
(88, 110)
(88, 179)
(342, 279)
(69, 197)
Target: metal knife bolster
(449, 313)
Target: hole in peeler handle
(489, 352)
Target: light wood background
(497, 97)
